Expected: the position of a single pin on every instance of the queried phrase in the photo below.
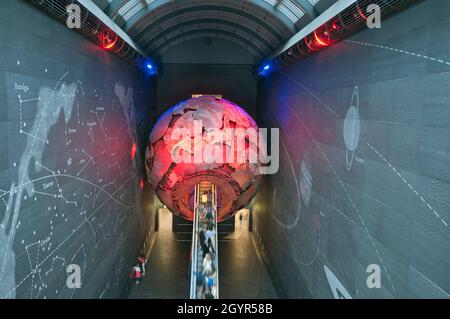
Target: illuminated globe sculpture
(186, 131)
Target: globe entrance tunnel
(224, 149)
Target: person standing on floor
(142, 261)
(136, 274)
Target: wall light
(265, 69)
(150, 67)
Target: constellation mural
(71, 181)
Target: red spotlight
(108, 41)
(110, 45)
(360, 12)
(133, 151)
(320, 41)
(141, 183)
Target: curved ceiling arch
(222, 28)
(243, 23)
(139, 31)
(267, 24)
(134, 10)
(156, 51)
(190, 36)
(210, 23)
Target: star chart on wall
(85, 182)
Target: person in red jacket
(136, 274)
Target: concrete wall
(69, 115)
(365, 153)
(208, 50)
(179, 81)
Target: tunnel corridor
(336, 114)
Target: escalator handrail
(194, 249)
(216, 243)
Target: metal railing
(194, 249)
(216, 242)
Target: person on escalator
(210, 249)
(202, 237)
(210, 281)
(210, 284)
(205, 250)
(209, 234)
(209, 216)
(209, 295)
(214, 291)
(202, 243)
(210, 225)
(201, 279)
(208, 265)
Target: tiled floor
(167, 267)
(241, 273)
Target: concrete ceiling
(259, 26)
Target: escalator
(204, 227)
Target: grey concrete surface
(167, 269)
(69, 115)
(242, 273)
(346, 198)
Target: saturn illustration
(352, 129)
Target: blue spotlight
(150, 67)
(265, 69)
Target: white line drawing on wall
(305, 182)
(126, 99)
(294, 223)
(300, 217)
(396, 171)
(351, 129)
(344, 188)
(414, 54)
(42, 180)
(7, 255)
(337, 288)
(49, 104)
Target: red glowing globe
(204, 140)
